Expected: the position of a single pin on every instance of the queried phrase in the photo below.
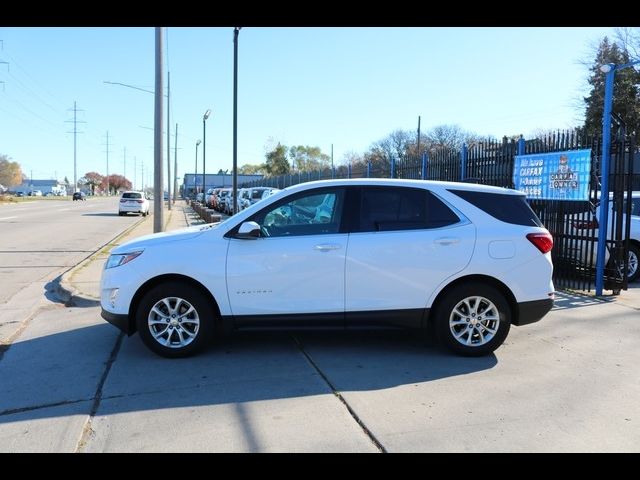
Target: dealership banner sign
(553, 176)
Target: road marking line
(6, 218)
(63, 209)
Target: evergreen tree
(626, 101)
(277, 163)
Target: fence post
(424, 166)
(393, 167)
(521, 145)
(349, 171)
(463, 162)
(369, 169)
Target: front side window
(312, 213)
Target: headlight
(115, 260)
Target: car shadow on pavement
(102, 214)
(65, 368)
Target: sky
(343, 86)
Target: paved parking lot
(568, 383)
(71, 383)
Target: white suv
(134, 202)
(470, 260)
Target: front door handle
(447, 241)
(325, 247)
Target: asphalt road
(43, 238)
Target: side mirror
(248, 231)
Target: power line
(35, 82)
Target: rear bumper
(117, 320)
(530, 312)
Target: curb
(67, 293)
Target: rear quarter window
(401, 208)
(505, 207)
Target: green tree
(10, 172)
(277, 163)
(249, 169)
(308, 159)
(626, 101)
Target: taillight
(140, 201)
(122, 200)
(542, 241)
(585, 225)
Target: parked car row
(221, 199)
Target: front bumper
(120, 321)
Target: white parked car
(586, 224)
(133, 202)
(471, 260)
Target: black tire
(198, 327)
(634, 255)
(472, 328)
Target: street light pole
(157, 135)
(168, 143)
(175, 168)
(204, 152)
(236, 31)
(195, 175)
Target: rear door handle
(447, 241)
(325, 247)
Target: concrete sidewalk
(81, 284)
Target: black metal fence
(573, 224)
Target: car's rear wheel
(633, 271)
(472, 319)
(175, 320)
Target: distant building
(45, 186)
(222, 180)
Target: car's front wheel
(175, 320)
(473, 319)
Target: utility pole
(108, 144)
(135, 173)
(157, 135)
(124, 169)
(236, 31)
(418, 135)
(332, 157)
(175, 167)
(75, 134)
(168, 142)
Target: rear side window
(507, 208)
(393, 208)
(131, 195)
